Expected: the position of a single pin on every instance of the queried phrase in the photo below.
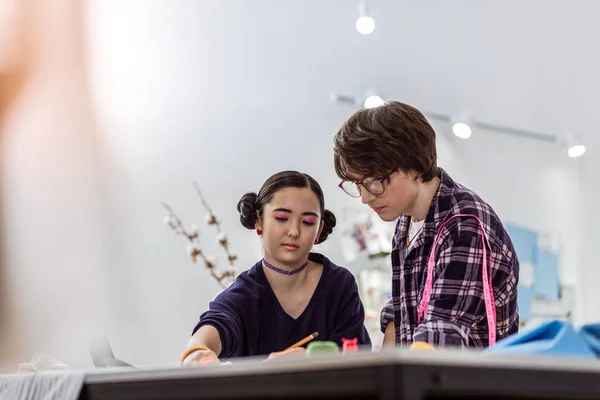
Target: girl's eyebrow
(287, 210)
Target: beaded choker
(282, 271)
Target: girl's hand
(200, 357)
(297, 352)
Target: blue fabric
(591, 334)
(556, 338)
(547, 275)
(525, 243)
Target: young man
(455, 271)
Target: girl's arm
(208, 344)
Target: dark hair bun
(329, 222)
(247, 209)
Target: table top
(389, 374)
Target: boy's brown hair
(376, 142)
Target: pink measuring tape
(488, 291)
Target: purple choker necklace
(282, 271)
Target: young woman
(291, 292)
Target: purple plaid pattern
(456, 314)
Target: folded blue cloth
(591, 334)
(554, 338)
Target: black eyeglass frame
(360, 184)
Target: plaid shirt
(456, 314)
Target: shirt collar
(438, 210)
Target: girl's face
(291, 223)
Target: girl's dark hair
(252, 202)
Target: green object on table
(322, 347)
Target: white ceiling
(529, 64)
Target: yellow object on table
(421, 346)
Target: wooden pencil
(303, 341)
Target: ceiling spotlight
(461, 125)
(462, 130)
(373, 101)
(364, 23)
(575, 149)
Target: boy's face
(399, 196)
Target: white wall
(590, 172)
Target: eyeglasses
(372, 185)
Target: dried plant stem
(225, 243)
(205, 204)
(176, 224)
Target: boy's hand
(389, 338)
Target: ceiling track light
(369, 100)
(372, 99)
(574, 147)
(461, 125)
(364, 24)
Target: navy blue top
(251, 322)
